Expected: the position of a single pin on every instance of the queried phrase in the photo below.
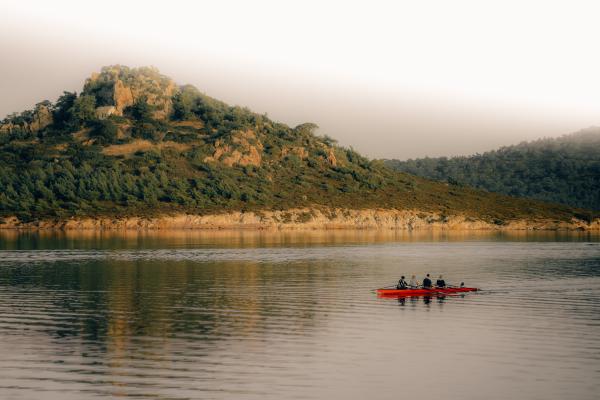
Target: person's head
(440, 277)
(413, 277)
(402, 277)
(462, 284)
(428, 275)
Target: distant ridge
(135, 147)
(562, 170)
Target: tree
(62, 108)
(184, 103)
(147, 131)
(102, 91)
(104, 131)
(83, 110)
(141, 110)
(306, 129)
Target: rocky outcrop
(105, 111)
(121, 87)
(299, 151)
(29, 121)
(331, 158)
(307, 218)
(6, 127)
(122, 96)
(243, 148)
(42, 117)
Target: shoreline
(310, 219)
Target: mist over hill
(135, 143)
(562, 170)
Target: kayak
(422, 292)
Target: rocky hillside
(135, 144)
(563, 170)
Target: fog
(391, 79)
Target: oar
(389, 287)
(385, 287)
(455, 287)
(451, 286)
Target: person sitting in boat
(440, 283)
(413, 284)
(401, 284)
(427, 282)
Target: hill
(562, 170)
(135, 144)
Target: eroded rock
(244, 149)
(120, 87)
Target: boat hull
(422, 292)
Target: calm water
(292, 316)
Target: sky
(393, 79)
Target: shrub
(104, 131)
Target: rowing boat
(422, 292)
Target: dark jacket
(401, 284)
(426, 283)
(440, 283)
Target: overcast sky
(394, 79)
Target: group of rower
(427, 283)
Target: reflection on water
(130, 239)
(292, 315)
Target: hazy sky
(392, 79)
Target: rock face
(42, 117)
(331, 158)
(245, 149)
(120, 87)
(299, 151)
(30, 121)
(105, 111)
(122, 96)
(6, 127)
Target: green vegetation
(562, 170)
(202, 156)
(104, 131)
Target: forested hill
(563, 170)
(134, 143)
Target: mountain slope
(133, 143)
(562, 170)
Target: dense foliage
(563, 170)
(206, 156)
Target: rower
(427, 282)
(413, 282)
(441, 283)
(401, 284)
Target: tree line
(562, 170)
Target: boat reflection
(414, 300)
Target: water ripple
(300, 322)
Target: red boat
(422, 292)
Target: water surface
(254, 315)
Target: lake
(292, 315)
